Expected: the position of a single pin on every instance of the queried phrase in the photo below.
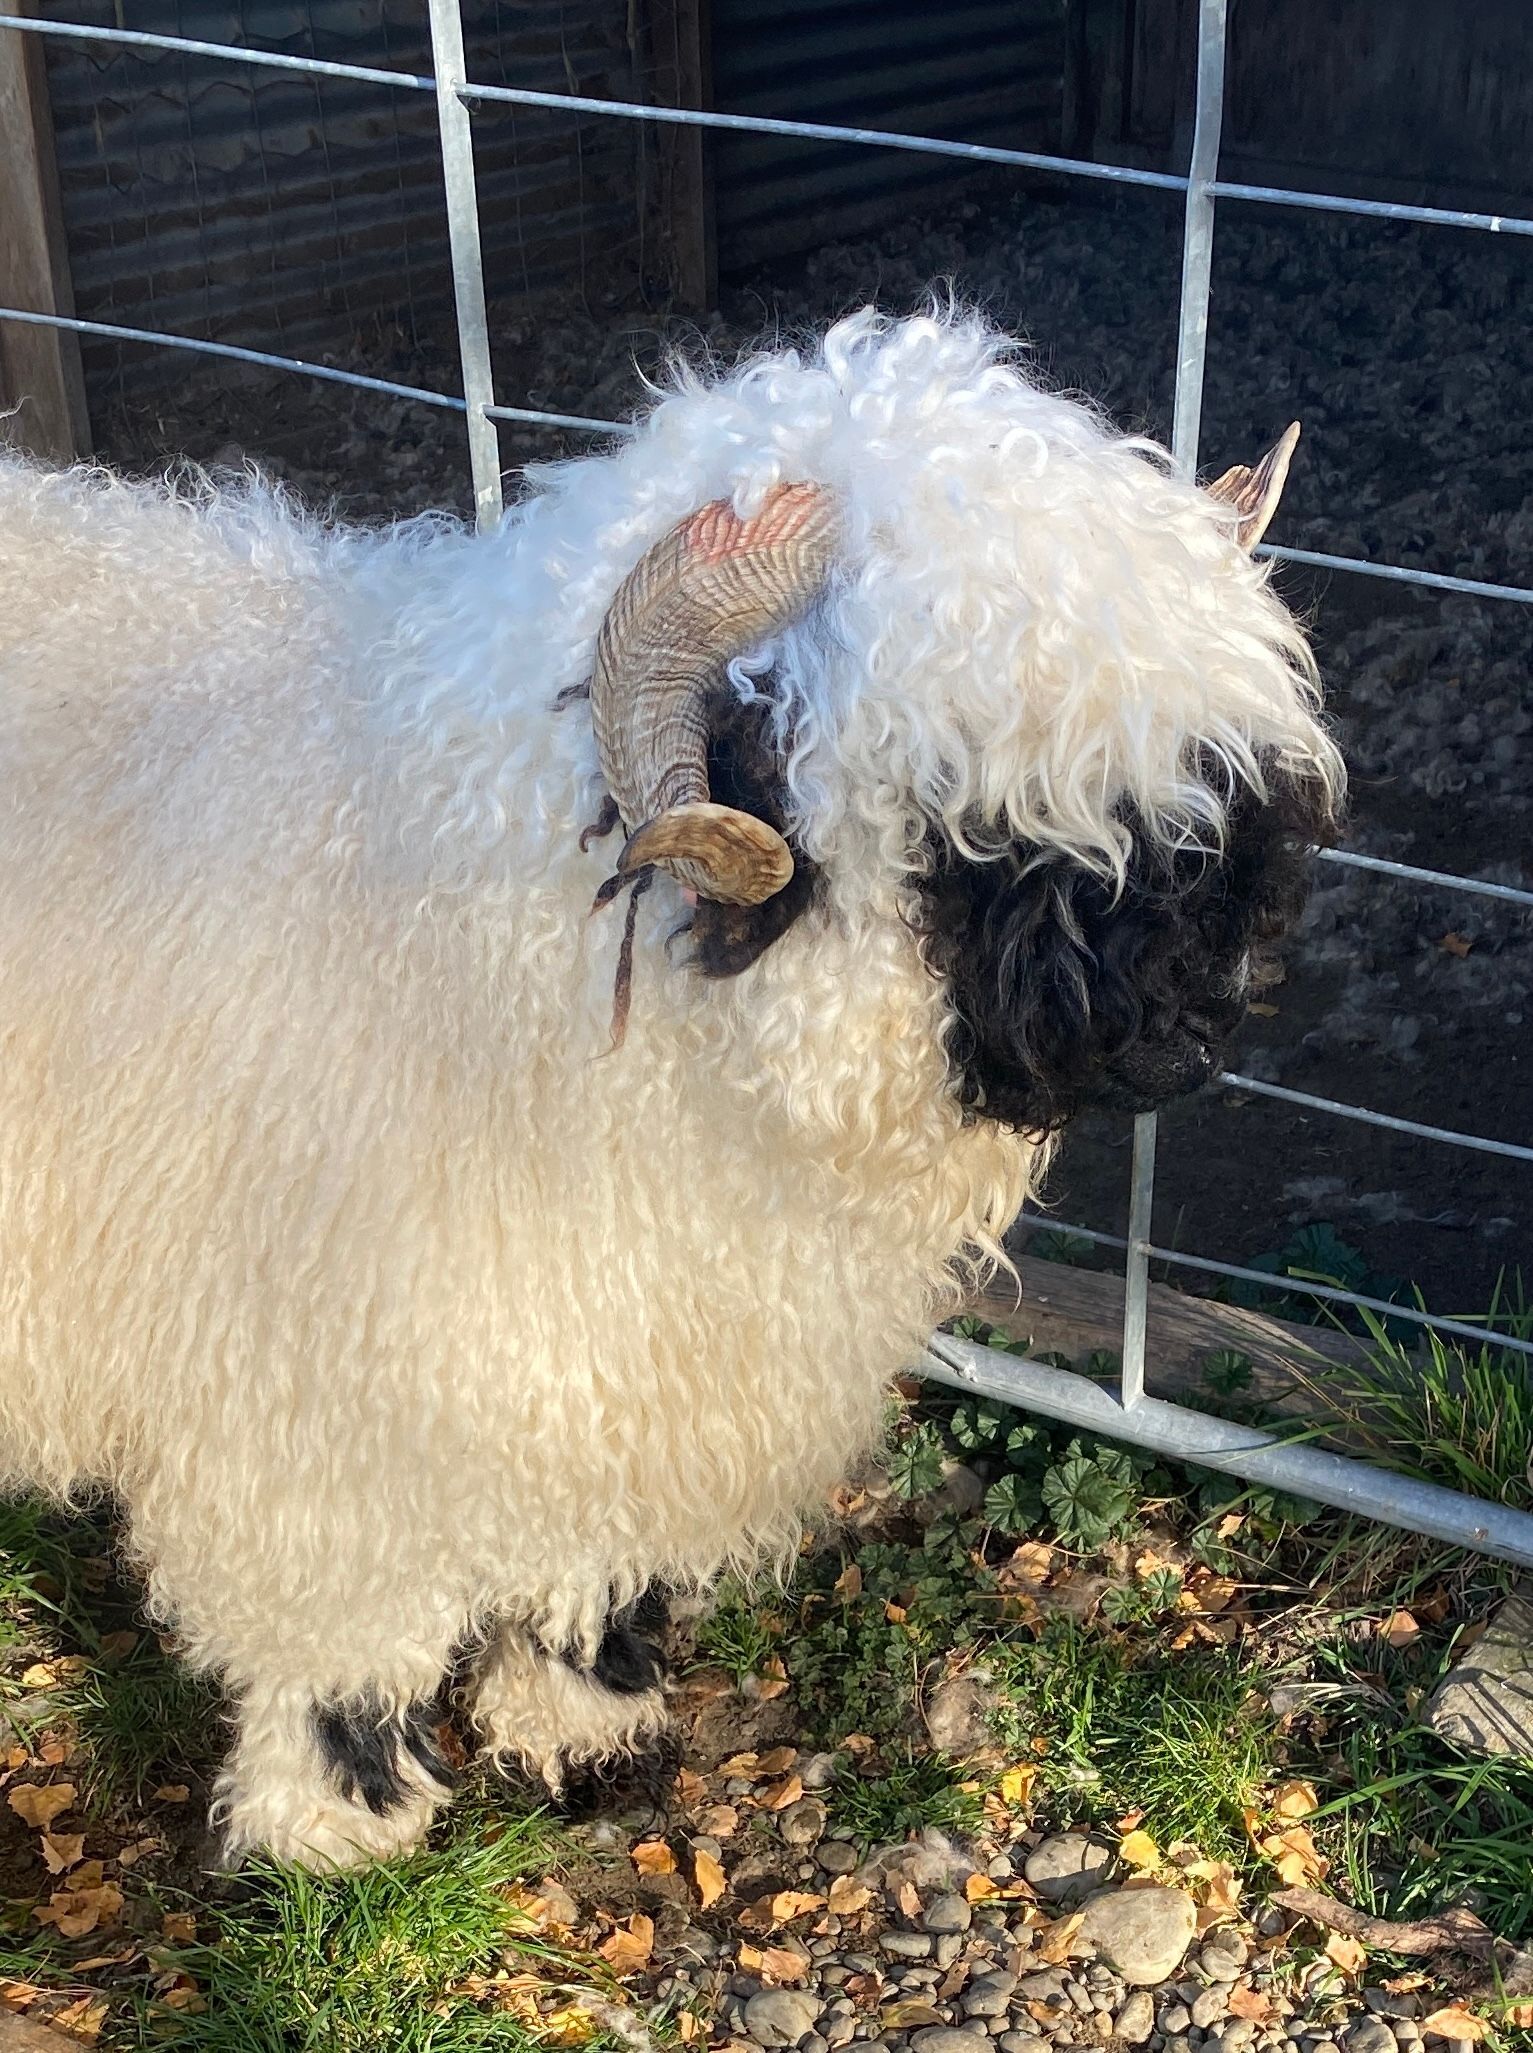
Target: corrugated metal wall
(978, 71)
(282, 211)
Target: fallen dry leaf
(38, 1804)
(1016, 1784)
(773, 1963)
(787, 1792)
(1139, 1850)
(62, 1850)
(1399, 1629)
(1295, 1800)
(17, 1995)
(895, 1613)
(848, 1584)
(977, 1888)
(1453, 2021)
(653, 1857)
(179, 1927)
(708, 1874)
(81, 2020)
(772, 1682)
(1250, 2003)
(630, 1946)
(777, 1762)
(848, 1896)
(75, 1912)
(717, 1821)
(1054, 1941)
(908, 1897)
(689, 2026)
(1455, 944)
(788, 1904)
(691, 1788)
(570, 2025)
(1295, 1856)
(1350, 1955)
(740, 1764)
(1033, 1561)
(172, 1793)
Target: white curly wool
(334, 1241)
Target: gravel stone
(1022, 2042)
(988, 1995)
(1370, 2035)
(1211, 2006)
(906, 1945)
(1223, 1956)
(1136, 2020)
(1066, 1867)
(802, 1823)
(819, 1771)
(781, 2017)
(1143, 1933)
(1236, 2034)
(949, 1946)
(1176, 2018)
(814, 2044)
(836, 1856)
(1385, 2004)
(942, 2038)
(948, 1914)
(839, 2031)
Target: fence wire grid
(1127, 1414)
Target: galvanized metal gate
(1126, 1413)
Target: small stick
(1449, 1931)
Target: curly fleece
(388, 1302)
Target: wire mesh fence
(1127, 1413)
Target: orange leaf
(63, 1850)
(1054, 1942)
(1139, 1850)
(1398, 1629)
(777, 1762)
(179, 1927)
(172, 1793)
(774, 1963)
(1251, 2003)
(788, 1904)
(17, 1995)
(1348, 1954)
(629, 1948)
(977, 1888)
(1455, 944)
(653, 1857)
(785, 1793)
(1295, 1800)
(1454, 2022)
(708, 1874)
(848, 1896)
(689, 1787)
(848, 1584)
(740, 1764)
(37, 1804)
(895, 1613)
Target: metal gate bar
(1333, 1479)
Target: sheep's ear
(1254, 491)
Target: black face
(1067, 996)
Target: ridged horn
(1254, 490)
(712, 589)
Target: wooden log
(42, 388)
(1077, 1312)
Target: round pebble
(1210, 2006)
(949, 1913)
(781, 2017)
(802, 1823)
(941, 2038)
(1143, 1933)
(906, 1945)
(836, 1856)
(988, 1995)
(1064, 1868)
(1370, 2035)
(1136, 2020)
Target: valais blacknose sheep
(428, 1269)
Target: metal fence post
(1191, 351)
(457, 140)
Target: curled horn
(714, 588)
(1254, 490)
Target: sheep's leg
(547, 1714)
(329, 1782)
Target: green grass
(1185, 1738)
(354, 1963)
(734, 1636)
(919, 1791)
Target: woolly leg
(329, 1783)
(543, 1714)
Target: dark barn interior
(305, 217)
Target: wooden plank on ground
(1075, 1312)
(42, 389)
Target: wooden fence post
(42, 388)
